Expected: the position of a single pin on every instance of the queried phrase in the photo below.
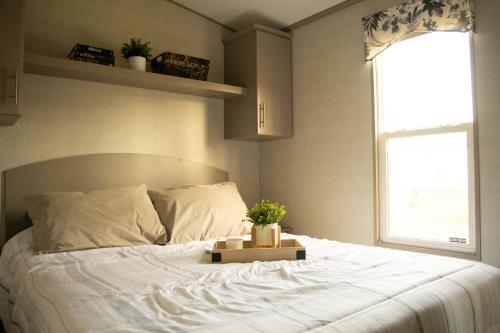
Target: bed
(338, 288)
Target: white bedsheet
(339, 288)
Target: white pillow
(201, 212)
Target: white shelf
(58, 67)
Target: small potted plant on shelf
(265, 217)
(137, 53)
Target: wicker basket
(181, 65)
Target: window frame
(468, 251)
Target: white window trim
(471, 250)
(384, 202)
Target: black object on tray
(96, 55)
(181, 65)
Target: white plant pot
(264, 234)
(137, 63)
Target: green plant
(265, 212)
(136, 48)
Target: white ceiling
(238, 14)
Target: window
(425, 139)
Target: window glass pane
(428, 187)
(426, 82)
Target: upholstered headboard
(92, 172)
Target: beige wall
(64, 117)
(325, 172)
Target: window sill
(449, 253)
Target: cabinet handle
(262, 115)
(15, 96)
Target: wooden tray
(290, 249)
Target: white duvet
(338, 288)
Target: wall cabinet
(259, 58)
(11, 59)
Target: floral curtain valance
(388, 26)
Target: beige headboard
(92, 172)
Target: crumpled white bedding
(339, 288)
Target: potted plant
(137, 53)
(265, 217)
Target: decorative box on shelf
(288, 249)
(92, 54)
(181, 65)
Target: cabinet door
(274, 85)
(11, 58)
(240, 117)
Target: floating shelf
(71, 69)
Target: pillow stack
(65, 221)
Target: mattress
(338, 288)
